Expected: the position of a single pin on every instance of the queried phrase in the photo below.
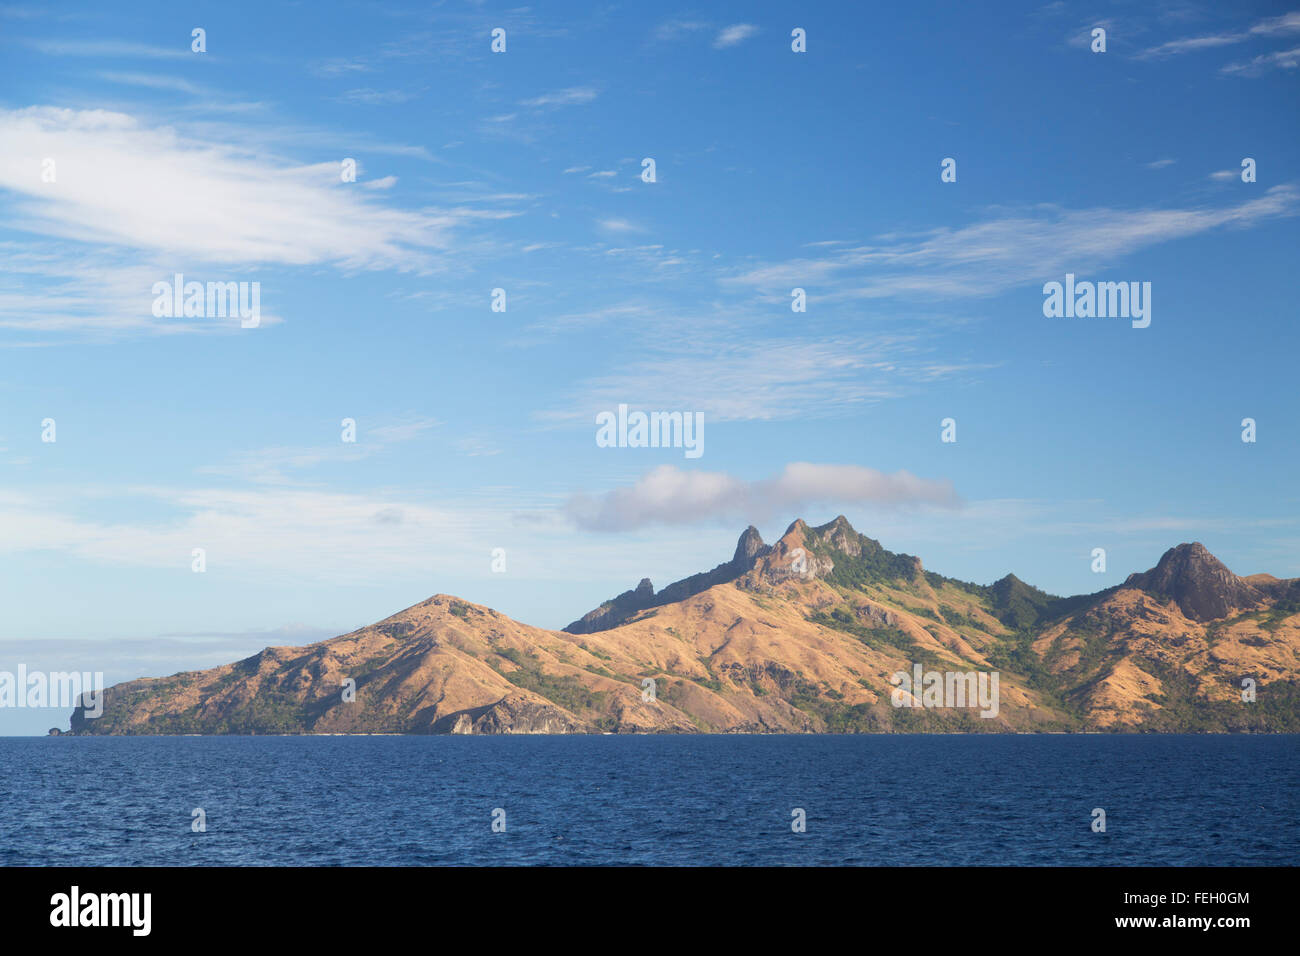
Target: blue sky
(522, 171)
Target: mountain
(620, 609)
(1198, 583)
(799, 636)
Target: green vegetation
(955, 618)
(1016, 654)
(1276, 708)
(1272, 619)
(876, 638)
(918, 611)
(564, 691)
(874, 565)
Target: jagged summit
(834, 551)
(749, 549)
(1198, 582)
(839, 535)
(839, 525)
(749, 546)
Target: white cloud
(113, 48)
(673, 29)
(340, 67)
(315, 538)
(370, 97)
(273, 466)
(153, 81)
(146, 201)
(49, 287)
(477, 447)
(668, 495)
(405, 431)
(734, 34)
(280, 531)
(122, 182)
(763, 379)
(618, 225)
(1281, 60)
(573, 96)
(1288, 23)
(986, 258)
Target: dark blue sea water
(869, 800)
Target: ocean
(1184, 800)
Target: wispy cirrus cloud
(618, 225)
(1284, 25)
(154, 81)
(64, 288)
(341, 536)
(310, 536)
(111, 49)
(733, 35)
(402, 431)
(1281, 60)
(275, 466)
(340, 66)
(677, 28)
(366, 96)
(668, 495)
(989, 257)
(109, 219)
(573, 96)
(120, 180)
(762, 379)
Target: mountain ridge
(803, 635)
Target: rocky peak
(1198, 582)
(838, 524)
(838, 535)
(749, 549)
(749, 546)
(802, 552)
